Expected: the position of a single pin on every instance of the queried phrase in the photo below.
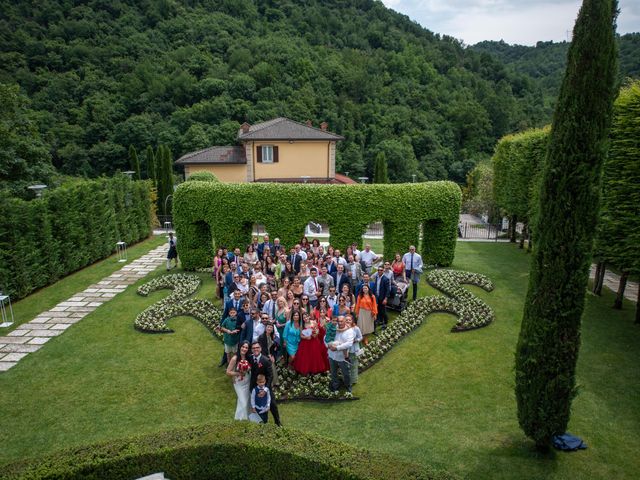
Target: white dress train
(242, 391)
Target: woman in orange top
(366, 310)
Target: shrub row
(222, 451)
(206, 212)
(68, 228)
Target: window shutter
(259, 154)
(275, 154)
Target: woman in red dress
(311, 357)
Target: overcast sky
(515, 21)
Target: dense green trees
(24, 156)
(135, 163)
(187, 74)
(549, 341)
(618, 240)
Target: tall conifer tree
(151, 164)
(547, 350)
(380, 174)
(135, 163)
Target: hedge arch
(206, 212)
(222, 451)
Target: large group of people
(309, 308)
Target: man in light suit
(413, 268)
(354, 270)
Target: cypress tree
(168, 177)
(135, 163)
(549, 341)
(380, 174)
(151, 164)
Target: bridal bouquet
(243, 367)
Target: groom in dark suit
(261, 364)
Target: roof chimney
(245, 127)
(309, 124)
(323, 126)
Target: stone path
(30, 337)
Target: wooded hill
(545, 63)
(103, 75)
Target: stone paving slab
(31, 336)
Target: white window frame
(267, 153)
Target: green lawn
(439, 398)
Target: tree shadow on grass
(515, 453)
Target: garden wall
(222, 214)
(68, 228)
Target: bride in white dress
(241, 381)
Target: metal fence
(485, 231)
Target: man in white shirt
(270, 306)
(368, 257)
(413, 268)
(343, 341)
(311, 288)
(332, 298)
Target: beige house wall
(230, 173)
(295, 159)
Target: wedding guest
(270, 345)
(311, 357)
(250, 256)
(230, 329)
(172, 254)
(413, 268)
(261, 398)
(291, 336)
(354, 351)
(343, 341)
(366, 311)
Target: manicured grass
(48, 297)
(438, 398)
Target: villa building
(278, 150)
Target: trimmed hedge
(202, 177)
(224, 213)
(222, 451)
(517, 163)
(68, 228)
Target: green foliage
(225, 213)
(517, 163)
(189, 76)
(164, 161)
(224, 450)
(150, 160)
(478, 197)
(549, 341)
(618, 240)
(380, 171)
(203, 177)
(135, 163)
(68, 228)
(24, 156)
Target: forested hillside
(545, 63)
(101, 75)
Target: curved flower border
(471, 311)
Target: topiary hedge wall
(222, 451)
(68, 228)
(224, 213)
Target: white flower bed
(472, 313)
(154, 319)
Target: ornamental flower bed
(154, 319)
(472, 313)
